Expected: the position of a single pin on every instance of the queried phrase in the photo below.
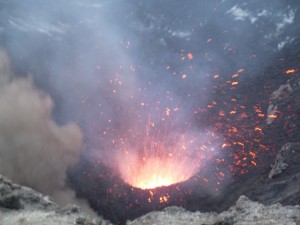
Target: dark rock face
(22, 205)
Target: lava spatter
(152, 161)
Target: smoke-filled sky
(121, 71)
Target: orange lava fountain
(156, 172)
(157, 165)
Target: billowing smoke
(35, 150)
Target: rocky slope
(23, 206)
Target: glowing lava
(160, 163)
(156, 172)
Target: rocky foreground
(23, 206)
(245, 212)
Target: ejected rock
(245, 212)
(20, 205)
(285, 97)
(286, 155)
(283, 187)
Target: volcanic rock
(285, 155)
(245, 212)
(284, 179)
(22, 205)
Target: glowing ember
(190, 56)
(289, 71)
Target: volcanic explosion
(154, 169)
(129, 107)
(156, 162)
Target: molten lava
(157, 172)
(154, 162)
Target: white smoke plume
(34, 150)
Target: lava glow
(156, 162)
(157, 172)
